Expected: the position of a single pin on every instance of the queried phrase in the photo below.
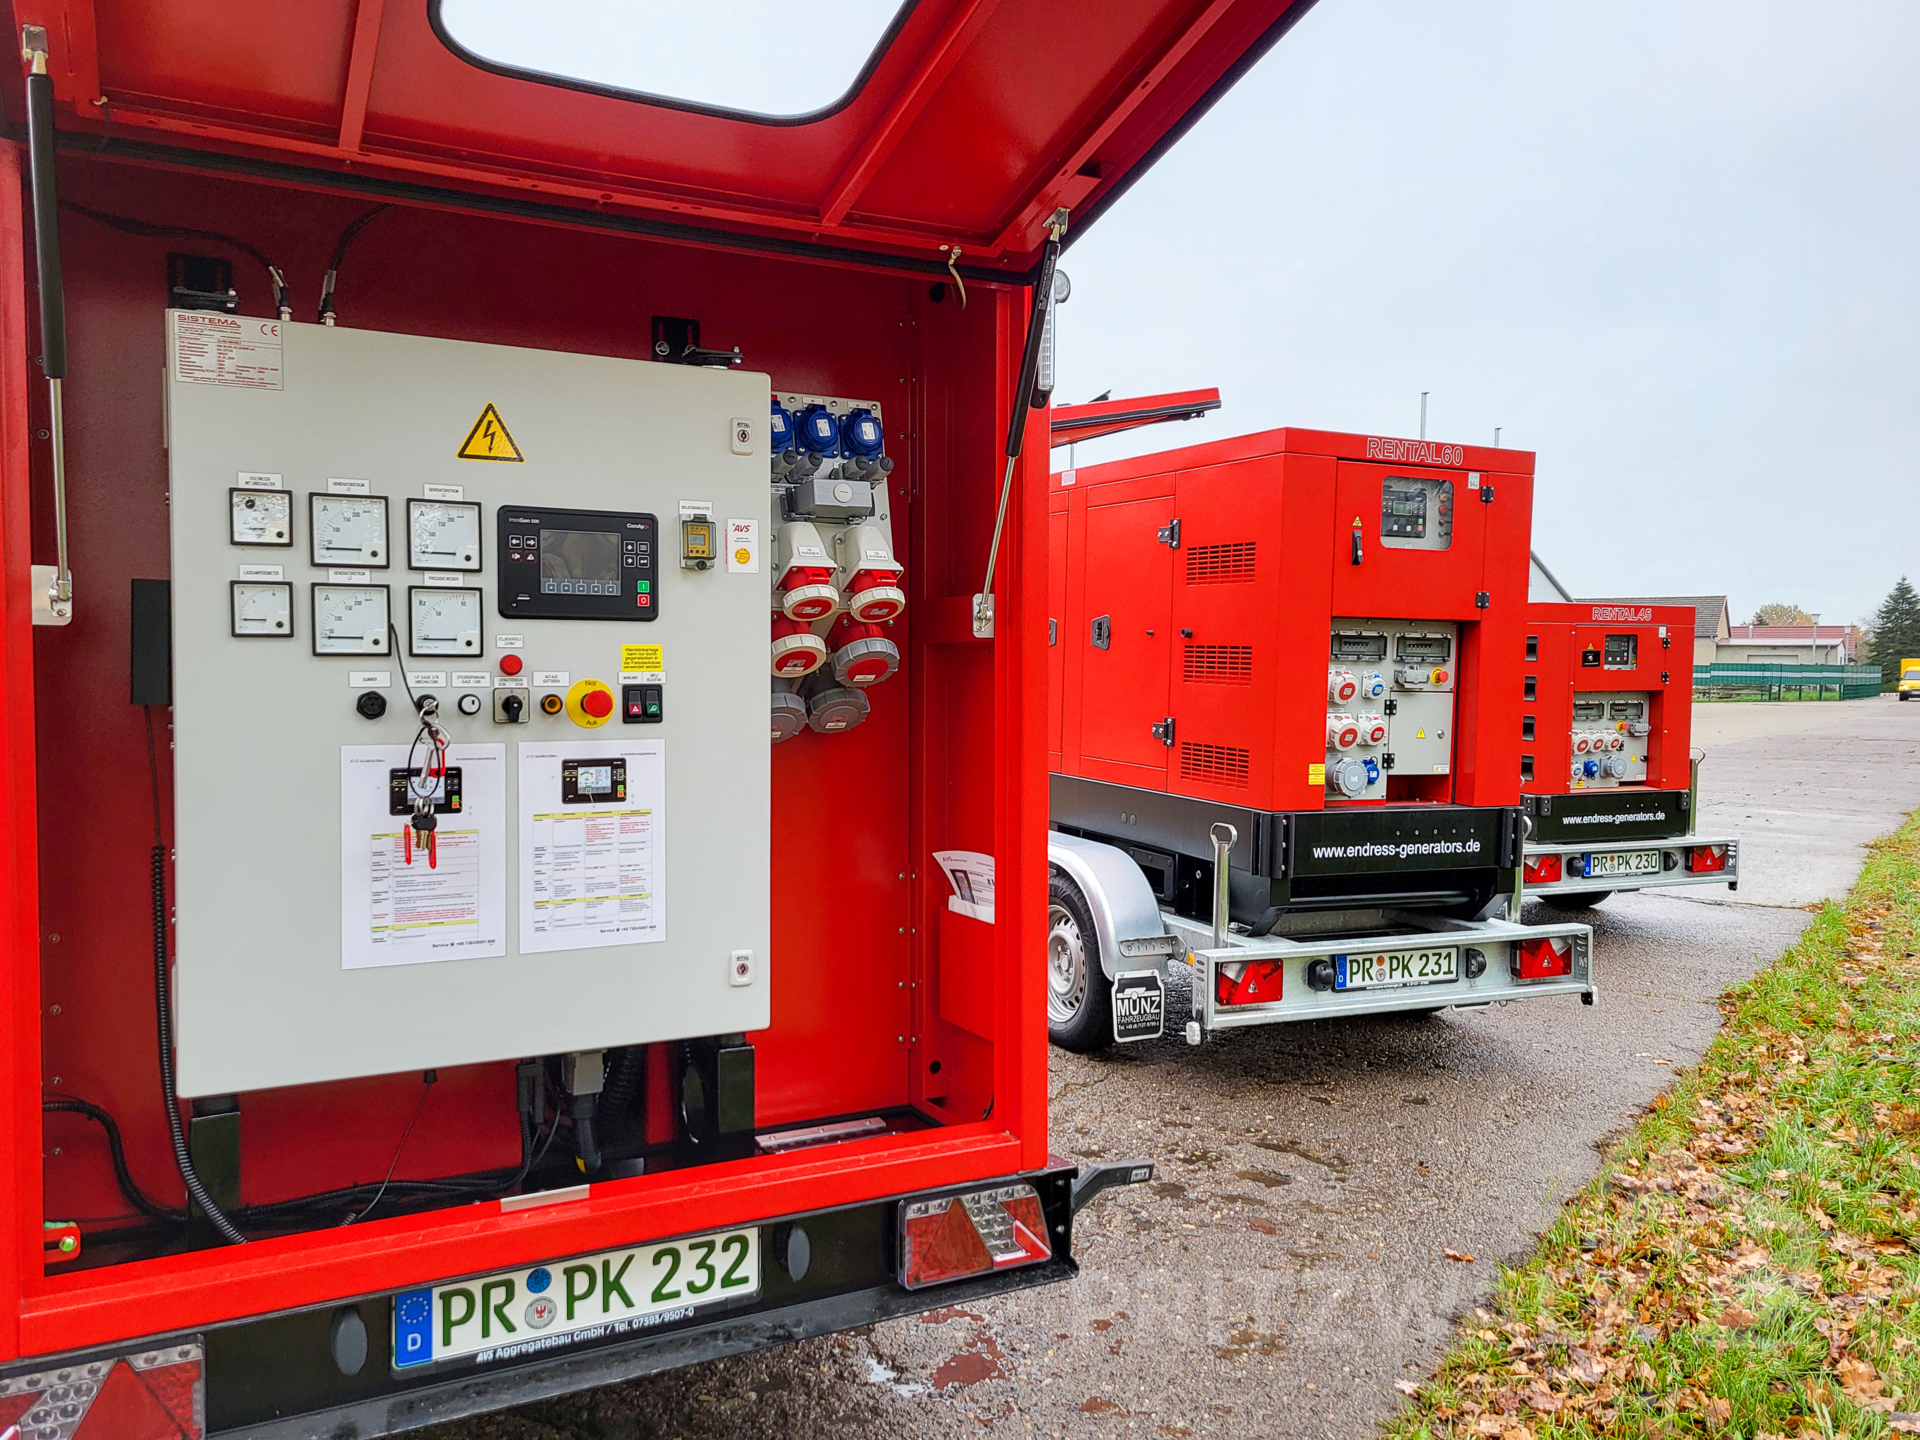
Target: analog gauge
(261, 517)
(349, 530)
(445, 622)
(262, 609)
(443, 535)
(350, 620)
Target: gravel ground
(1289, 1264)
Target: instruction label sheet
(592, 844)
(398, 904)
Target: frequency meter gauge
(262, 609)
(444, 622)
(261, 517)
(349, 530)
(443, 535)
(350, 620)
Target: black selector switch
(372, 704)
(641, 704)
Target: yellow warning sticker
(1317, 773)
(1419, 734)
(635, 659)
(489, 439)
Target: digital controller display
(579, 562)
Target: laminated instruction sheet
(592, 844)
(398, 904)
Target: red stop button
(510, 664)
(597, 703)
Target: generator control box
(466, 768)
(1390, 689)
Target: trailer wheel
(1584, 900)
(1079, 1003)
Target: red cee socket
(510, 664)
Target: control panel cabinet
(491, 534)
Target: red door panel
(1056, 623)
(1124, 639)
(1419, 584)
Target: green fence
(1771, 682)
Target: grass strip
(1745, 1265)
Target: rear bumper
(1496, 942)
(1673, 852)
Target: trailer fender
(1126, 917)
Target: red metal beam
(961, 28)
(1071, 423)
(366, 44)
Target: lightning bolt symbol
(487, 435)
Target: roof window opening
(757, 58)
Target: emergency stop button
(590, 704)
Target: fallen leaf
(1719, 1410)
(1465, 1257)
(1903, 1119)
(1862, 1384)
(1737, 1317)
(1907, 1422)
(1407, 1387)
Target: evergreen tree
(1896, 632)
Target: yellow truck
(1909, 678)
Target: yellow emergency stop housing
(581, 704)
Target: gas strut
(1022, 401)
(55, 605)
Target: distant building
(1710, 630)
(1541, 584)
(1790, 645)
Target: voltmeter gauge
(443, 535)
(261, 517)
(445, 622)
(349, 530)
(262, 609)
(350, 620)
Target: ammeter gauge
(349, 530)
(262, 609)
(444, 622)
(350, 620)
(443, 535)
(261, 517)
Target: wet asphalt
(1289, 1264)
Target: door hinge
(1392, 707)
(1169, 534)
(1664, 677)
(1386, 761)
(1053, 631)
(1486, 493)
(1163, 732)
(1482, 600)
(1102, 631)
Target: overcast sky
(1672, 246)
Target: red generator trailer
(425, 987)
(1612, 786)
(1281, 735)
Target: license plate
(1399, 967)
(1624, 862)
(519, 1313)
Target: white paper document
(592, 844)
(406, 907)
(971, 875)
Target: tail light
(1707, 859)
(1542, 870)
(1343, 732)
(956, 1237)
(1543, 959)
(1249, 982)
(807, 593)
(797, 650)
(1341, 686)
(862, 655)
(789, 712)
(153, 1395)
(875, 595)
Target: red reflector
(154, 1395)
(1705, 859)
(1543, 959)
(1543, 871)
(959, 1236)
(1257, 983)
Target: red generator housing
(1319, 632)
(1606, 724)
(886, 1131)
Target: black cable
(147, 228)
(129, 1187)
(347, 237)
(426, 1090)
(163, 1004)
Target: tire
(1079, 995)
(1903, 695)
(1584, 900)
